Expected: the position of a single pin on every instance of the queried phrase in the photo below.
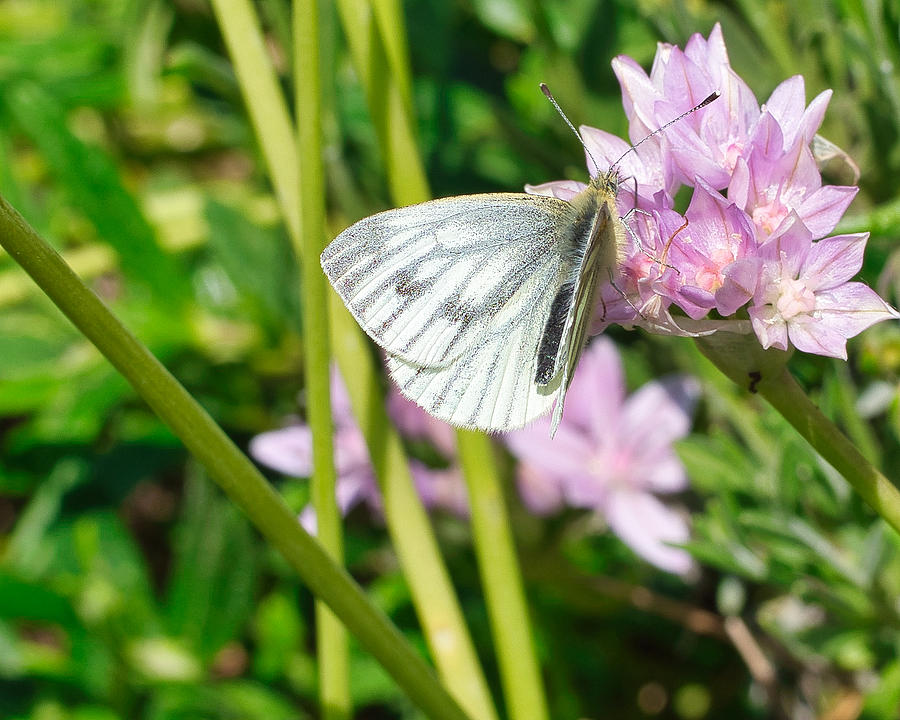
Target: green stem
(234, 473)
(501, 577)
(391, 116)
(741, 358)
(392, 27)
(785, 395)
(332, 649)
(264, 101)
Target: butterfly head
(607, 182)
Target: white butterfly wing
(430, 282)
(491, 385)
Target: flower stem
(264, 101)
(234, 473)
(785, 394)
(741, 358)
(502, 580)
(332, 649)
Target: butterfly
(482, 303)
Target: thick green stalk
(234, 473)
(433, 595)
(741, 358)
(501, 577)
(332, 649)
(788, 398)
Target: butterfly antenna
(712, 96)
(549, 96)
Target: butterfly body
(482, 302)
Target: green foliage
(131, 589)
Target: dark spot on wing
(552, 334)
(406, 285)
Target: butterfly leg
(612, 283)
(624, 220)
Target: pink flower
(613, 454)
(803, 294)
(289, 451)
(773, 181)
(705, 144)
(692, 274)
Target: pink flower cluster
(613, 454)
(754, 234)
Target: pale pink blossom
(694, 274)
(804, 296)
(289, 451)
(614, 454)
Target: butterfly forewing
(426, 282)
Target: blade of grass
(392, 29)
(264, 102)
(501, 576)
(498, 565)
(234, 473)
(391, 117)
(436, 604)
(332, 649)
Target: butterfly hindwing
(491, 385)
(427, 281)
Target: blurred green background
(129, 588)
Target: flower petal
(817, 336)
(664, 474)
(595, 398)
(853, 307)
(833, 260)
(444, 489)
(813, 116)
(562, 189)
(646, 525)
(563, 456)
(541, 493)
(288, 450)
(658, 413)
(822, 209)
(787, 102)
(769, 327)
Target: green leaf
(258, 261)
(24, 600)
(882, 701)
(95, 187)
(213, 580)
(224, 701)
(26, 551)
(279, 632)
